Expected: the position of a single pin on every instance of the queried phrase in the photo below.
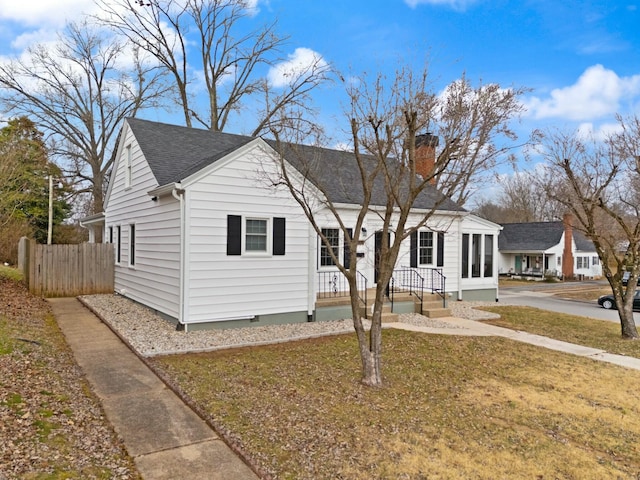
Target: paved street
(539, 296)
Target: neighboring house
(202, 238)
(541, 249)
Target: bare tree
(78, 92)
(474, 152)
(385, 178)
(597, 182)
(226, 58)
(521, 200)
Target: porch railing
(436, 282)
(428, 279)
(406, 280)
(334, 285)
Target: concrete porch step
(388, 317)
(436, 312)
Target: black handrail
(438, 282)
(407, 280)
(334, 284)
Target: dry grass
(51, 424)
(451, 407)
(589, 294)
(569, 328)
(10, 273)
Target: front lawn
(450, 408)
(569, 328)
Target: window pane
(488, 255)
(426, 248)
(475, 255)
(256, 237)
(333, 237)
(257, 226)
(132, 244)
(465, 255)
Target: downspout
(178, 194)
(311, 276)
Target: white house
(553, 249)
(201, 238)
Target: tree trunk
(370, 345)
(372, 356)
(627, 323)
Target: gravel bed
(468, 310)
(150, 335)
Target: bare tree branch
(227, 60)
(78, 93)
(597, 182)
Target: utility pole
(50, 229)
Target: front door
(518, 264)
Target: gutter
(178, 193)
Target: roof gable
(538, 236)
(535, 236)
(175, 153)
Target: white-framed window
(595, 260)
(118, 244)
(488, 256)
(132, 244)
(110, 240)
(425, 248)
(333, 237)
(477, 255)
(582, 262)
(256, 239)
(128, 176)
(256, 236)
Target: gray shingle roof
(174, 153)
(538, 236)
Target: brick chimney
(426, 155)
(567, 253)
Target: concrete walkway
(166, 439)
(472, 327)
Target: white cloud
(27, 39)
(597, 93)
(44, 13)
(459, 5)
(599, 133)
(300, 61)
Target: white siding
(221, 287)
(154, 280)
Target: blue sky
(581, 59)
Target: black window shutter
(440, 249)
(347, 250)
(234, 234)
(413, 254)
(279, 225)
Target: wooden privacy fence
(67, 270)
